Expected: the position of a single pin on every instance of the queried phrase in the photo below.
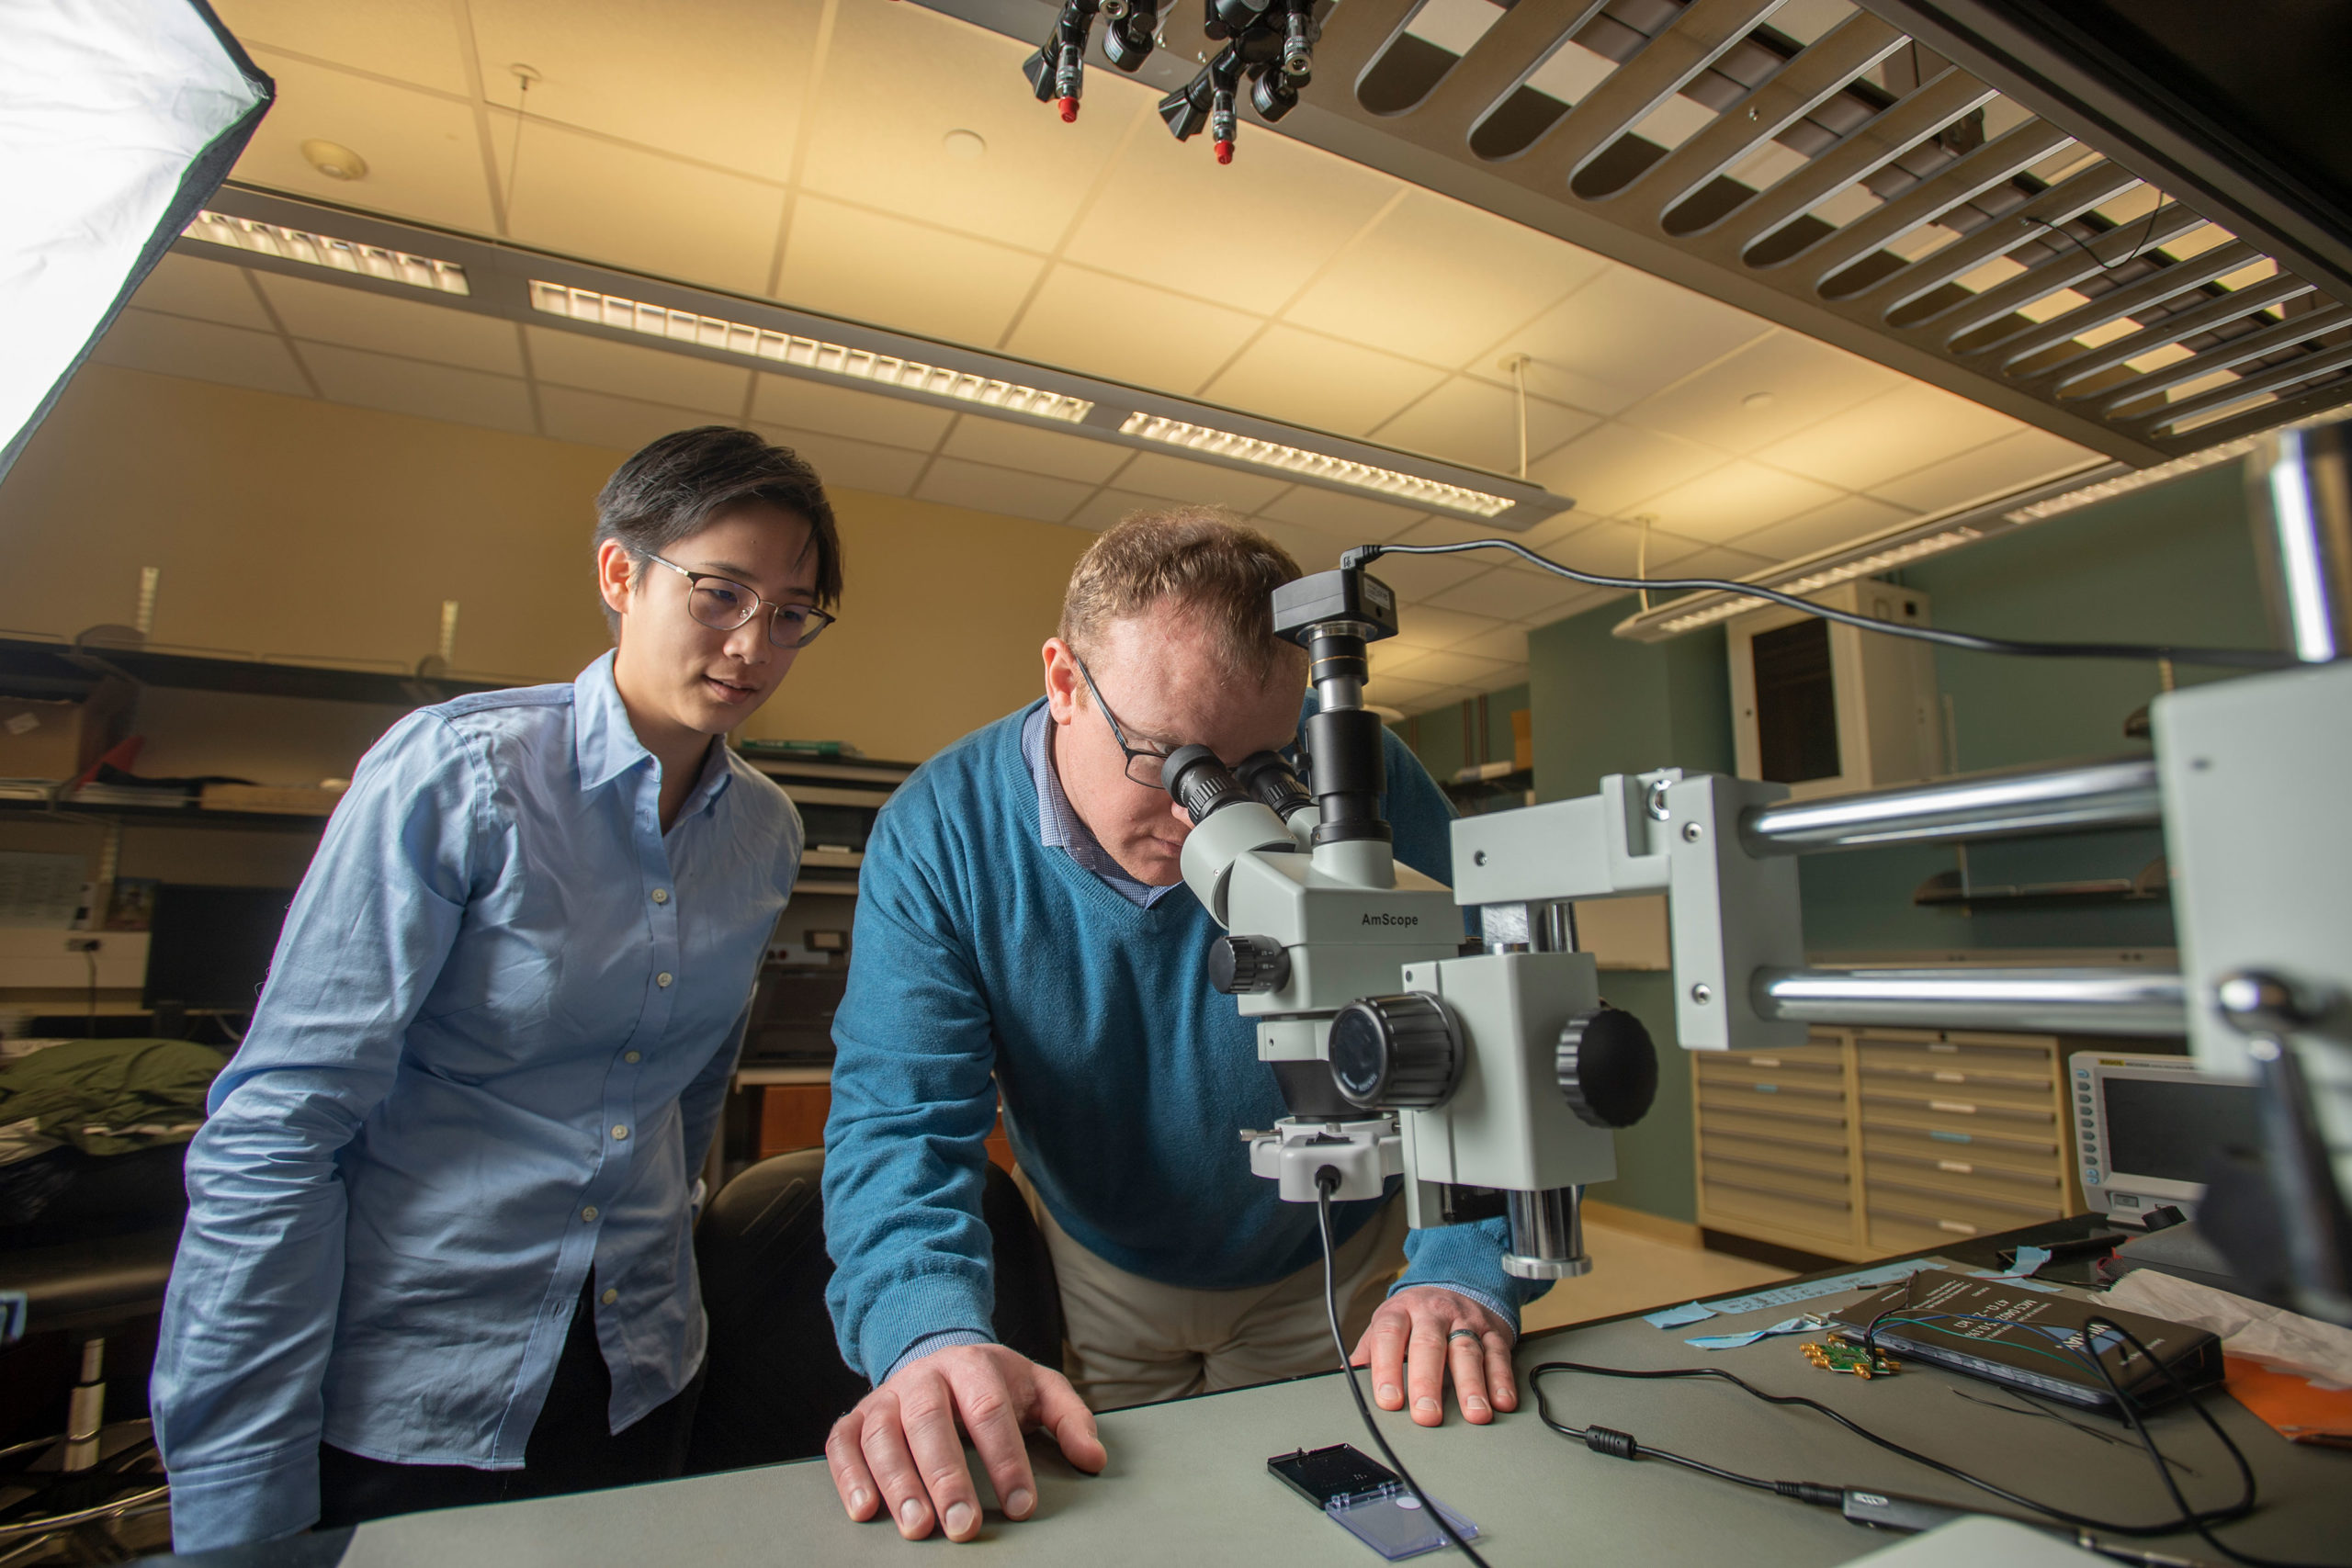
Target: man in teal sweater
(1022, 925)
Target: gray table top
(1187, 1480)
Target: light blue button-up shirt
(491, 1056)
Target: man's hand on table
(1420, 1335)
(900, 1449)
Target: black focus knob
(1608, 1068)
(1401, 1052)
(1245, 966)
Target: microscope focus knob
(1396, 1053)
(1608, 1068)
(1245, 966)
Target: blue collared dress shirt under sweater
(490, 1057)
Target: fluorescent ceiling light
(321, 250)
(803, 353)
(1314, 465)
(1813, 582)
(2139, 478)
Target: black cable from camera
(2237, 658)
(1326, 1181)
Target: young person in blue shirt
(437, 1247)
(1023, 927)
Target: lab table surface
(1187, 1480)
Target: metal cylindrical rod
(1547, 1235)
(2117, 793)
(1555, 930)
(2084, 1001)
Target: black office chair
(775, 1382)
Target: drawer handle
(1952, 1077)
(1766, 1087)
(1952, 1137)
(1956, 1227)
(1765, 1061)
(1957, 1167)
(1957, 1107)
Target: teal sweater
(987, 960)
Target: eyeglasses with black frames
(1143, 766)
(722, 605)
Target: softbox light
(118, 119)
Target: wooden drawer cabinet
(1867, 1141)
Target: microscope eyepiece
(1200, 782)
(1271, 784)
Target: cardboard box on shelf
(53, 737)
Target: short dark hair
(678, 485)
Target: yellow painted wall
(286, 527)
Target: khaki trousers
(1134, 1341)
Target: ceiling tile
(208, 290)
(1320, 383)
(1802, 381)
(1426, 627)
(874, 267)
(412, 386)
(900, 77)
(607, 202)
(1738, 498)
(840, 410)
(416, 40)
(1895, 433)
(1207, 484)
(1621, 338)
(1173, 217)
(1988, 472)
(1614, 550)
(1402, 694)
(628, 369)
(618, 424)
(1455, 531)
(1464, 669)
(1033, 449)
(1091, 321)
(1391, 659)
(1420, 578)
(1469, 422)
(847, 464)
(1508, 595)
(1106, 508)
(1439, 280)
(722, 83)
(1505, 642)
(1841, 521)
(1355, 520)
(206, 351)
(955, 482)
(1613, 470)
(421, 329)
(424, 151)
(1720, 561)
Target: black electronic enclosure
(209, 948)
(1324, 1476)
(1348, 593)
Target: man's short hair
(1204, 558)
(686, 480)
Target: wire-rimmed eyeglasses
(722, 605)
